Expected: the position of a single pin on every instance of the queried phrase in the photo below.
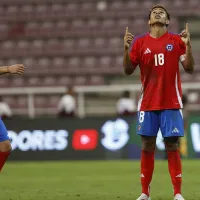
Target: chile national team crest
(169, 47)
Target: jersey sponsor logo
(147, 51)
(169, 47)
(115, 134)
(85, 139)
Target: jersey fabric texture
(3, 132)
(170, 123)
(158, 59)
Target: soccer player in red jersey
(5, 146)
(158, 53)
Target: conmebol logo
(115, 134)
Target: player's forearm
(189, 60)
(128, 68)
(4, 70)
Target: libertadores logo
(85, 139)
(115, 134)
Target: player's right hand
(16, 69)
(128, 39)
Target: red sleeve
(182, 50)
(134, 53)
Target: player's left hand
(185, 35)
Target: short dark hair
(126, 94)
(159, 6)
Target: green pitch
(99, 180)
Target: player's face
(158, 16)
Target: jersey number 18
(159, 59)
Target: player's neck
(157, 31)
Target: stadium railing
(81, 91)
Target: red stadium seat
(148, 4)
(64, 80)
(47, 28)
(23, 46)
(116, 5)
(87, 6)
(18, 82)
(73, 62)
(116, 42)
(57, 8)
(12, 61)
(29, 63)
(34, 81)
(58, 62)
(84, 43)
(37, 46)
(96, 80)
(105, 61)
(80, 80)
(44, 63)
(4, 82)
(108, 23)
(40, 9)
(49, 81)
(41, 101)
(2, 11)
(62, 25)
(10, 100)
(53, 101)
(22, 102)
(27, 8)
(89, 61)
(93, 23)
(132, 5)
(12, 10)
(72, 7)
(100, 42)
(32, 28)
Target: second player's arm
(12, 69)
(4, 70)
(188, 63)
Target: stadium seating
(74, 41)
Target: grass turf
(94, 180)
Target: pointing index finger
(187, 27)
(126, 30)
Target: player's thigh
(147, 123)
(171, 123)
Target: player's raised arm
(12, 69)
(128, 38)
(188, 61)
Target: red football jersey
(158, 59)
